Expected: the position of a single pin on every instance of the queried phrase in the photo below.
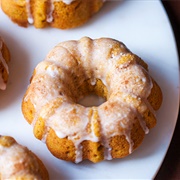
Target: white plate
(144, 27)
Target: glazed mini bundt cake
(63, 14)
(18, 163)
(71, 71)
(4, 60)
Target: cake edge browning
(16, 11)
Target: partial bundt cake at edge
(18, 163)
(4, 60)
(74, 69)
(61, 14)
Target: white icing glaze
(5, 66)
(128, 86)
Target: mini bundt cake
(4, 60)
(74, 69)
(63, 14)
(18, 163)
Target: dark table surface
(170, 168)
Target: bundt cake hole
(91, 100)
(92, 94)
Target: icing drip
(29, 14)
(5, 66)
(70, 64)
(50, 9)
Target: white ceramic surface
(144, 27)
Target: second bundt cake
(63, 14)
(19, 163)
